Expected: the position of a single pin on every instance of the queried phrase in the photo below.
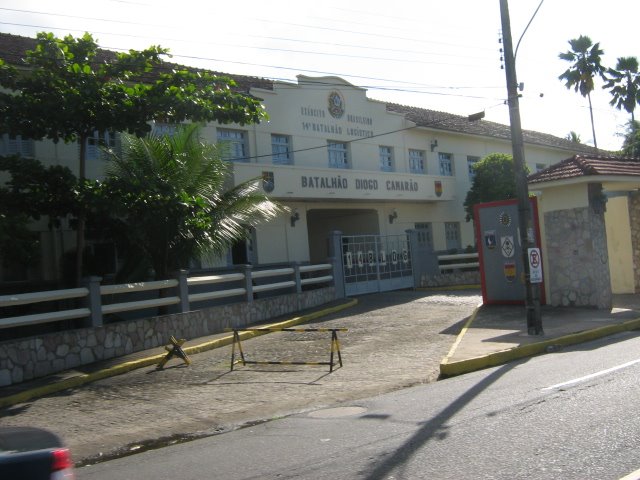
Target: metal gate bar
(375, 263)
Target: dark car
(28, 453)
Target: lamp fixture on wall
(393, 215)
(434, 144)
(295, 217)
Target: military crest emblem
(438, 188)
(336, 104)
(268, 182)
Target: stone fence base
(34, 357)
(451, 279)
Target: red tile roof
(583, 166)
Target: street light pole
(526, 232)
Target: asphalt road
(569, 415)
(394, 340)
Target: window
(452, 234)
(446, 164)
(540, 166)
(161, 128)
(338, 155)
(386, 158)
(416, 161)
(281, 150)
(98, 142)
(233, 145)
(425, 235)
(471, 161)
(16, 145)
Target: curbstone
(451, 369)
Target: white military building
(341, 162)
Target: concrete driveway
(394, 340)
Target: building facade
(339, 160)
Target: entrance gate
(375, 263)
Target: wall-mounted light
(434, 144)
(295, 217)
(393, 215)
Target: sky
(441, 55)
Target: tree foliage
(169, 201)
(585, 57)
(67, 89)
(70, 89)
(631, 143)
(494, 180)
(573, 137)
(623, 83)
(32, 191)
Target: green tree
(69, 89)
(573, 137)
(32, 191)
(631, 143)
(586, 65)
(170, 200)
(494, 180)
(623, 83)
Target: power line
(347, 75)
(270, 21)
(289, 50)
(254, 157)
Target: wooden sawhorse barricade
(335, 346)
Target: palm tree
(624, 84)
(573, 137)
(631, 143)
(172, 198)
(585, 56)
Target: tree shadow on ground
(436, 428)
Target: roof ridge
(582, 165)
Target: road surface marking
(632, 476)
(592, 375)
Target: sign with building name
(282, 181)
(332, 119)
(339, 182)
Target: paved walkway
(498, 334)
(394, 340)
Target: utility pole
(526, 231)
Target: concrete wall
(575, 252)
(634, 225)
(621, 253)
(29, 358)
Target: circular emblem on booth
(505, 219)
(336, 104)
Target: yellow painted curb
(461, 335)
(504, 356)
(79, 380)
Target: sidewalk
(497, 334)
